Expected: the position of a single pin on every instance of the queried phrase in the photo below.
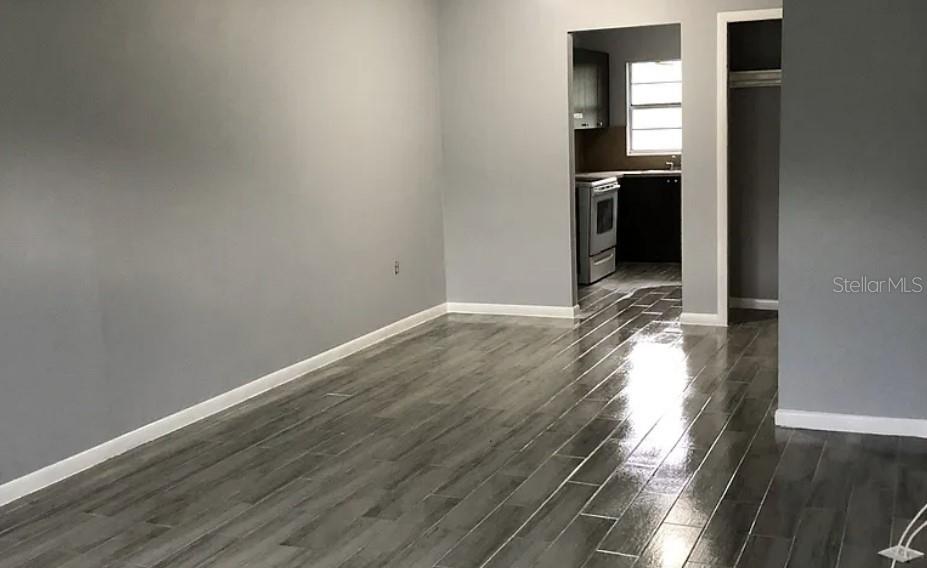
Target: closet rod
(761, 78)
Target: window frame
(629, 126)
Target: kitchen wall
(853, 205)
(507, 135)
(605, 149)
(601, 149)
(195, 194)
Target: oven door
(603, 221)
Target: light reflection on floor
(656, 376)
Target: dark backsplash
(603, 149)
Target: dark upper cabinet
(650, 219)
(590, 89)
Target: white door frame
(725, 18)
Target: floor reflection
(656, 376)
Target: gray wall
(753, 192)
(853, 204)
(629, 45)
(194, 194)
(506, 134)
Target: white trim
(724, 18)
(693, 318)
(513, 310)
(755, 304)
(56, 472)
(856, 423)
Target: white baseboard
(693, 318)
(56, 472)
(855, 423)
(754, 304)
(513, 310)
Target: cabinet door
(669, 225)
(583, 88)
(632, 220)
(590, 89)
(650, 219)
(601, 98)
(580, 73)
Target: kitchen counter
(635, 173)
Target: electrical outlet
(396, 267)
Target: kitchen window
(654, 108)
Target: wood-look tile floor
(627, 278)
(621, 440)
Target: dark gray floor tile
(478, 545)
(670, 547)
(426, 550)
(764, 385)
(638, 524)
(82, 533)
(120, 546)
(518, 553)
(912, 452)
(912, 491)
(588, 439)
(833, 478)
(603, 462)
(723, 539)
(753, 477)
(177, 539)
(527, 460)
(818, 541)
(749, 415)
(869, 518)
(557, 513)
(675, 472)
(480, 503)
(781, 510)
(791, 486)
(619, 491)
(765, 552)
(605, 560)
(707, 486)
(576, 544)
(726, 397)
(543, 482)
(853, 556)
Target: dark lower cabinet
(650, 219)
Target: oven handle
(605, 189)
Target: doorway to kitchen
(626, 115)
(749, 93)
